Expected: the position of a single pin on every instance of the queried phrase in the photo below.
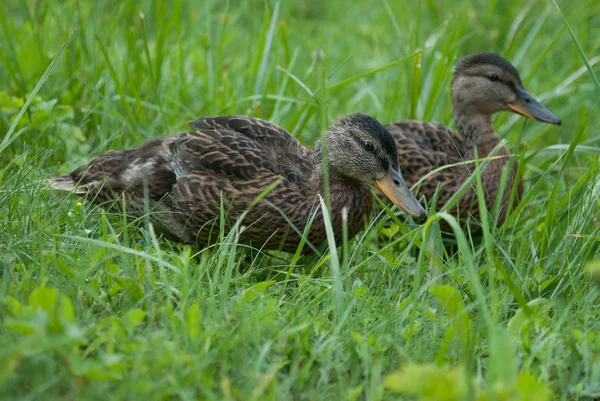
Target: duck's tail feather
(65, 182)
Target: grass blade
(334, 263)
(374, 71)
(9, 137)
(266, 51)
(579, 49)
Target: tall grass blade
(579, 49)
(9, 137)
(266, 50)
(334, 263)
(374, 71)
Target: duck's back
(232, 161)
(424, 147)
(427, 146)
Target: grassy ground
(92, 306)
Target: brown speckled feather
(426, 146)
(226, 161)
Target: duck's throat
(344, 193)
(331, 182)
(478, 132)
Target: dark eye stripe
(510, 84)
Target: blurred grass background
(91, 305)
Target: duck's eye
(493, 77)
(369, 147)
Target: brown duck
(483, 84)
(227, 163)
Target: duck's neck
(477, 131)
(344, 193)
(338, 183)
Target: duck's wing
(235, 148)
(284, 153)
(231, 162)
(425, 146)
(146, 169)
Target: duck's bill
(394, 187)
(527, 106)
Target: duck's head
(361, 149)
(485, 83)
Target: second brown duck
(483, 84)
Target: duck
(483, 84)
(249, 169)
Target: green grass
(91, 305)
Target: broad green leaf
(133, 288)
(257, 289)
(132, 319)
(193, 318)
(519, 324)
(449, 297)
(59, 307)
(429, 382)
(502, 367)
(452, 303)
(529, 389)
(593, 268)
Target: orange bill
(527, 106)
(394, 187)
